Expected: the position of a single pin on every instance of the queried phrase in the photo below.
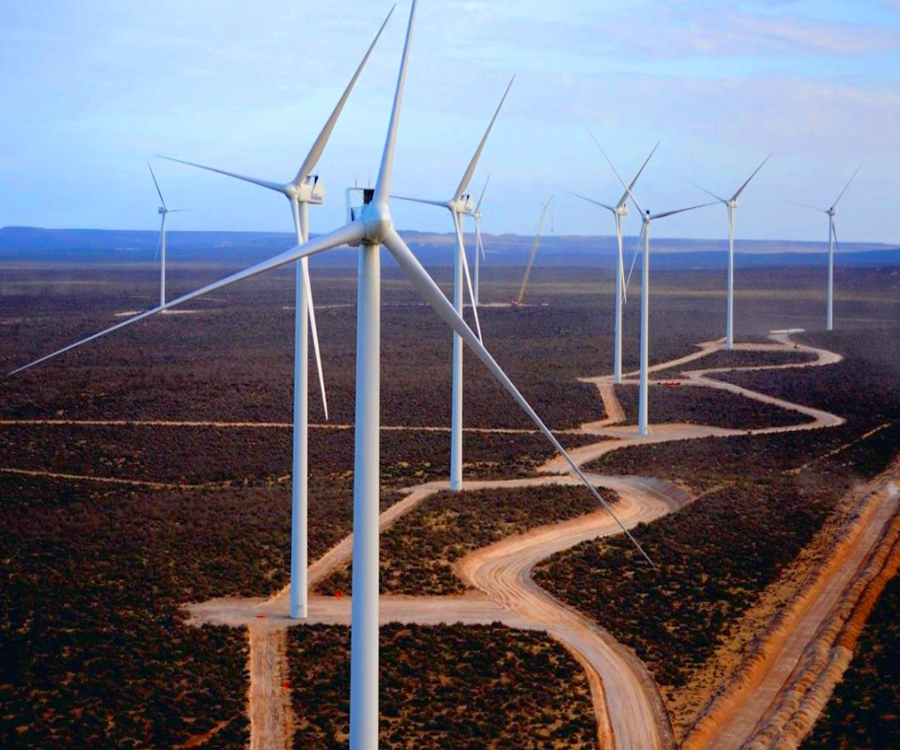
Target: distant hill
(30, 244)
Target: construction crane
(534, 248)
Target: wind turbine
(164, 211)
(459, 205)
(305, 189)
(479, 245)
(731, 204)
(534, 248)
(643, 427)
(832, 241)
(371, 228)
(648, 218)
(620, 211)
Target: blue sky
(91, 91)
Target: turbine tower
(371, 228)
(305, 189)
(164, 211)
(459, 205)
(731, 204)
(619, 211)
(832, 241)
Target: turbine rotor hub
(376, 218)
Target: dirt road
(629, 709)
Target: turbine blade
(312, 158)
(846, 186)
(157, 186)
(837, 244)
(624, 198)
(664, 214)
(461, 249)
(624, 286)
(439, 303)
(590, 200)
(741, 189)
(637, 251)
(276, 186)
(479, 245)
(385, 172)
(467, 177)
(811, 208)
(351, 233)
(709, 193)
(616, 172)
(481, 197)
(158, 244)
(304, 267)
(442, 204)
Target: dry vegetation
(738, 358)
(454, 688)
(864, 713)
(705, 406)
(248, 456)
(419, 551)
(92, 648)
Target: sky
(92, 91)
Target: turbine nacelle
(463, 205)
(358, 199)
(309, 191)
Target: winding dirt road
(629, 708)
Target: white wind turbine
(648, 218)
(620, 211)
(164, 211)
(459, 205)
(731, 204)
(305, 189)
(832, 241)
(370, 228)
(479, 245)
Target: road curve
(628, 705)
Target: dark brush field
(94, 650)
(446, 687)
(864, 712)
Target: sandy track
(220, 425)
(630, 714)
(271, 715)
(104, 480)
(629, 709)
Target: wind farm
(195, 555)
